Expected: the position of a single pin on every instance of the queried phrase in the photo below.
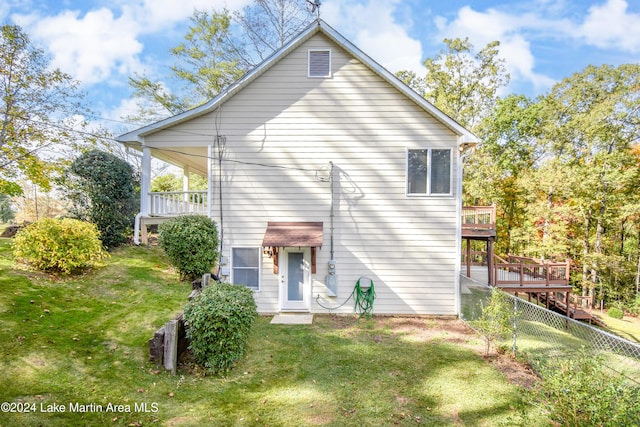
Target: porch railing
(178, 203)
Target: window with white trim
(245, 267)
(319, 63)
(429, 171)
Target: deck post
(548, 273)
(468, 249)
(521, 274)
(490, 262)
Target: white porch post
(145, 184)
(185, 183)
(145, 187)
(185, 178)
(210, 180)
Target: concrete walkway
(292, 319)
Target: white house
(323, 169)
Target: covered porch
(157, 207)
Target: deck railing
(478, 217)
(524, 271)
(178, 203)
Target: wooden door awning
(293, 234)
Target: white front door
(295, 279)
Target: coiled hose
(363, 299)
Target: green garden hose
(363, 299)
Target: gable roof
(318, 26)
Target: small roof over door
(292, 234)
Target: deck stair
(545, 281)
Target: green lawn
(78, 344)
(628, 327)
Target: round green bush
(615, 313)
(191, 243)
(218, 322)
(59, 245)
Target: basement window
(319, 63)
(246, 267)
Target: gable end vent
(320, 63)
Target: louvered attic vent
(320, 63)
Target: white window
(245, 263)
(320, 63)
(429, 171)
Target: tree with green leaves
(206, 62)
(494, 174)
(462, 83)
(6, 210)
(37, 107)
(102, 190)
(171, 182)
(591, 123)
(218, 48)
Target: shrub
(191, 243)
(218, 321)
(579, 392)
(634, 307)
(102, 189)
(496, 321)
(616, 313)
(59, 245)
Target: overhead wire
(184, 153)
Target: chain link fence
(541, 335)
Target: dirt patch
(457, 332)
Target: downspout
(332, 214)
(460, 166)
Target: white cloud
(98, 45)
(510, 29)
(611, 25)
(372, 28)
(89, 47)
(607, 26)
(156, 15)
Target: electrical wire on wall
(364, 296)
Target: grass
(627, 327)
(83, 341)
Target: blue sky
(101, 43)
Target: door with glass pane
(295, 282)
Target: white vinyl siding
(429, 171)
(245, 264)
(282, 128)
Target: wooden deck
(556, 296)
(543, 281)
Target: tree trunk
(638, 269)
(585, 254)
